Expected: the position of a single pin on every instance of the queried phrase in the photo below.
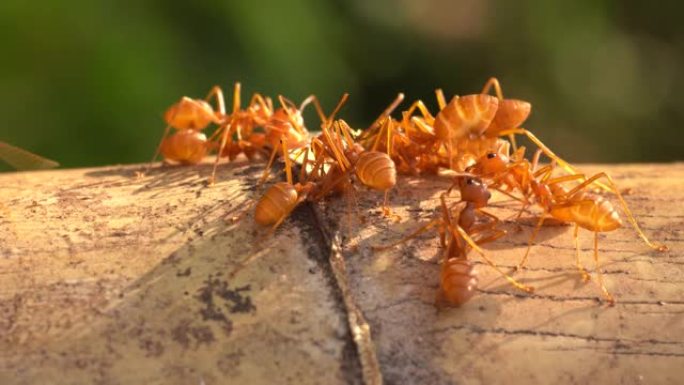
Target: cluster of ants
(467, 135)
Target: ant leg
(531, 240)
(317, 106)
(236, 97)
(267, 170)
(249, 204)
(546, 171)
(609, 297)
(317, 165)
(376, 142)
(388, 111)
(489, 226)
(491, 238)
(535, 160)
(518, 215)
(277, 224)
(161, 142)
(227, 132)
(511, 137)
(583, 271)
(258, 99)
(522, 131)
(493, 82)
(352, 202)
(339, 137)
(327, 186)
(344, 128)
(421, 124)
(343, 100)
(441, 100)
(217, 92)
(386, 211)
(563, 179)
(511, 280)
(506, 193)
(623, 203)
(288, 165)
(288, 106)
(337, 152)
(418, 104)
(412, 235)
(389, 137)
(519, 154)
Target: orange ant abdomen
(279, 127)
(185, 146)
(458, 281)
(190, 114)
(466, 116)
(376, 170)
(510, 114)
(277, 203)
(591, 212)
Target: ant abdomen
(511, 114)
(465, 116)
(589, 211)
(376, 170)
(185, 146)
(277, 202)
(458, 281)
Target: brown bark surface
(111, 279)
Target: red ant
(189, 117)
(457, 277)
(575, 205)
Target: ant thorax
(466, 218)
(352, 153)
(306, 188)
(474, 191)
(192, 114)
(258, 113)
(281, 115)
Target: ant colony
(474, 136)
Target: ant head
(305, 188)
(473, 190)
(190, 114)
(491, 163)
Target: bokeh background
(86, 82)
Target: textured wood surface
(109, 279)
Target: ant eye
(470, 181)
(491, 155)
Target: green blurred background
(86, 82)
